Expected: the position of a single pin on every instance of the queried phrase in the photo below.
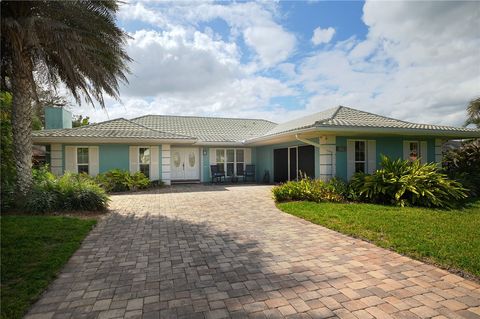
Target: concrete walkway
(217, 252)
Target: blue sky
(416, 61)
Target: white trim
(438, 150)
(56, 159)
(365, 161)
(327, 157)
(149, 160)
(378, 131)
(166, 173)
(111, 140)
(76, 158)
(288, 157)
(369, 167)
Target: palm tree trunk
(22, 109)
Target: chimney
(56, 118)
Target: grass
(447, 238)
(34, 249)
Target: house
(335, 142)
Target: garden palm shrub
(463, 164)
(80, 192)
(117, 180)
(69, 192)
(402, 183)
(308, 189)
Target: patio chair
(249, 172)
(241, 172)
(217, 173)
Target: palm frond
(74, 42)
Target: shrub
(41, 199)
(308, 189)
(80, 192)
(402, 182)
(463, 165)
(114, 180)
(138, 181)
(117, 180)
(69, 192)
(7, 163)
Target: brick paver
(218, 252)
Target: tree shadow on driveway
(162, 267)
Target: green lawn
(449, 238)
(34, 249)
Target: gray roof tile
(222, 130)
(343, 116)
(208, 129)
(118, 128)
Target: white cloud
(239, 98)
(179, 61)
(255, 22)
(322, 35)
(272, 44)
(419, 62)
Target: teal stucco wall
(389, 146)
(113, 156)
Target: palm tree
(72, 42)
(473, 111)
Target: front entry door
(185, 164)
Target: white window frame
(237, 162)
(419, 149)
(365, 160)
(296, 147)
(82, 164)
(225, 159)
(149, 160)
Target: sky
(415, 61)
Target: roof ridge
(204, 117)
(126, 120)
(91, 125)
(338, 108)
(152, 129)
(387, 117)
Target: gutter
(110, 140)
(371, 130)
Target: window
(144, 160)
(82, 160)
(413, 151)
(232, 160)
(360, 157)
(240, 160)
(220, 156)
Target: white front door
(185, 163)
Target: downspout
(298, 138)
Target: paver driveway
(214, 252)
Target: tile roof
(225, 130)
(343, 116)
(208, 129)
(118, 128)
